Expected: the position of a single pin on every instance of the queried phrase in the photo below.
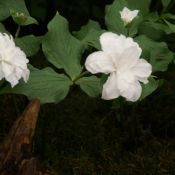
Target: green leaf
(44, 84)
(4, 11)
(165, 3)
(3, 29)
(142, 6)
(92, 39)
(82, 33)
(18, 18)
(22, 19)
(160, 59)
(17, 5)
(153, 26)
(30, 20)
(168, 16)
(61, 48)
(152, 16)
(148, 45)
(90, 85)
(29, 44)
(7, 5)
(90, 34)
(157, 53)
(171, 26)
(149, 88)
(112, 18)
(154, 30)
(133, 28)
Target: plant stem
(81, 75)
(17, 31)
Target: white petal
(7, 68)
(128, 15)
(114, 44)
(125, 78)
(99, 62)
(125, 11)
(26, 74)
(142, 70)
(12, 79)
(128, 86)
(134, 13)
(110, 89)
(19, 58)
(1, 72)
(133, 92)
(13, 61)
(125, 15)
(129, 58)
(110, 43)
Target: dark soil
(83, 136)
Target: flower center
(114, 64)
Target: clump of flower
(128, 15)
(13, 61)
(120, 58)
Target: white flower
(13, 61)
(128, 15)
(119, 58)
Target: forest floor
(83, 136)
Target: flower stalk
(80, 76)
(17, 31)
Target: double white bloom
(128, 15)
(120, 57)
(13, 61)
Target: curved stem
(17, 31)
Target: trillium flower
(120, 58)
(128, 15)
(13, 61)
